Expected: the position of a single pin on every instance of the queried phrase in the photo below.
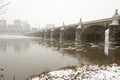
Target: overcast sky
(42, 12)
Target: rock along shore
(84, 72)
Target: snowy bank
(85, 72)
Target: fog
(42, 12)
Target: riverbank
(84, 72)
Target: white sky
(42, 12)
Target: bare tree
(3, 5)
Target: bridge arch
(56, 34)
(69, 34)
(94, 33)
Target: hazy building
(17, 26)
(10, 28)
(26, 27)
(3, 26)
(17, 23)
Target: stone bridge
(92, 31)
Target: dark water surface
(21, 56)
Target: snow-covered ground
(85, 72)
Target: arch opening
(95, 33)
(56, 34)
(69, 34)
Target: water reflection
(3, 46)
(23, 57)
(16, 45)
(87, 53)
(106, 49)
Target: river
(21, 56)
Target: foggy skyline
(42, 12)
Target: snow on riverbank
(85, 72)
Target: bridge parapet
(88, 23)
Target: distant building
(26, 27)
(18, 27)
(33, 30)
(17, 23)
(9, 29)
(3, 26)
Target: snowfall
(84, 72)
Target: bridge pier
(78, 45)
(42, 34)
(78, 33)
(52, 34)
(114, 29)
(45, 34)
(61, 38)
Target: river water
(22, 56)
